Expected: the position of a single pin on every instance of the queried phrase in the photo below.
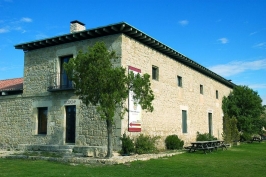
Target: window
(179, 81)
(64, 81)
(42, 120)
(184, 121)
(210, 123)
(201, 89)
(217, 94)
(155, 73)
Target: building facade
(188, 96)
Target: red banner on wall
(134, 114)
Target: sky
(225, 36)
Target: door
(70, 124)
(210, 123)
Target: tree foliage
(99, 83)
(230, 131)
(246, 106)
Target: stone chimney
(76, 26)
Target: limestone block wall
(18, 122)
(41, 63)
(14, 121)
(18, 114)
(170, 99)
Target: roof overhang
(123, 28)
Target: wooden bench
(207, 149)
(224, 146)
(193, 149)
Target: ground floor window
(184, 121)
(42, 120)
(210, 123)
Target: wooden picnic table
(256, 139)
(206, 145)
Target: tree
(246, 106)
(99, 83)
(230, 131)
(263, 116)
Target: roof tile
(11, 84)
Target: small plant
(205, 137)
(173, 142)
(127, 145)
(145, 144)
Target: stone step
(54, 148)
(87, 151)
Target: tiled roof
(11, 84)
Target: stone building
(188, 96)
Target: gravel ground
(73, 158)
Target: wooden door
(70, 124)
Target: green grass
(244, 160)
(43, 154)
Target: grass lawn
(244, 160)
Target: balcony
(59, 82)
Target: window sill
(40, 135)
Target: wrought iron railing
(58, 82)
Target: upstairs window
(217, 94)
(64, 81)
(201, 89)
(179, 81)
(42, 120)
(155, 73)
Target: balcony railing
(59, 82)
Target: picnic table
(206, 146)
(256, 139)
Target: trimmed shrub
(145, 144)
(127, 145)
(205, 137)
(173, 142)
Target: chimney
(76, 26)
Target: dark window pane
(155, 73)
(201, 89)
(42, 120)
(64, 81)
(179, 81)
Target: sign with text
(134, 114)
(71, 102)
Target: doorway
(70, 124)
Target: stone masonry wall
(18, 114)
(170, 99)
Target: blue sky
(226, 36)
